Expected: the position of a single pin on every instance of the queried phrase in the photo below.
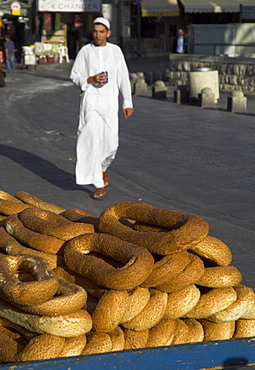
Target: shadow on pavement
(47, 75)
(42, 168)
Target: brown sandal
(105, 178)
(99, 193)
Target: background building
(139, 27)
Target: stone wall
(235, 73)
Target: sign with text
(69, 6)
(248, 12)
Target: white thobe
(98, 136)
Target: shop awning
(214, 6)
(152, 8)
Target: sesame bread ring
(7, 324)
(217, 331)
(188, 276)
(244, 328)
(152, 313)
(220, 277)
(196, 331)
(250, 315)
(166, 268)
(36, 202)
(73, 346)
(9, 347)
(69, 325)
(7, 196)
(42, 347)
(109, 310)
(162, 334)
(213, 301)
(43, 287)
(6, 240)
(13, 334)
(74, 278)
(137, 261)
(78, 215)
(53, 260)
(181, 302)
(35, 240)
(135, 339)
(50, 223)
(97, 342)
(117, 338)
(181, 333)
(243, 304)
(185, 229)
(10, 245)
(8, 207)
(137, 300)
(69, 298)
(213, 250)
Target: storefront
(214, 12)
(215, 27)
(14, 20)
(164, 15)
(158, 21)
(66, 22)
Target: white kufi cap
(103, 21)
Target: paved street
(174, 156)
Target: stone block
(181, 95)
(140, 74)
(237, 102)
(202, 78)
(159, 90)
(140, 87)
(206, 99)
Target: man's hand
(99, 79)
(128, 112)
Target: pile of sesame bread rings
(137, 276)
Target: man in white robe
(98, 136)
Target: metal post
(240, 13)
(139, 29)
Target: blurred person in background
(180, 42)
(10, 50)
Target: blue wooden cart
(218, 354)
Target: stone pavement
(174, 156)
